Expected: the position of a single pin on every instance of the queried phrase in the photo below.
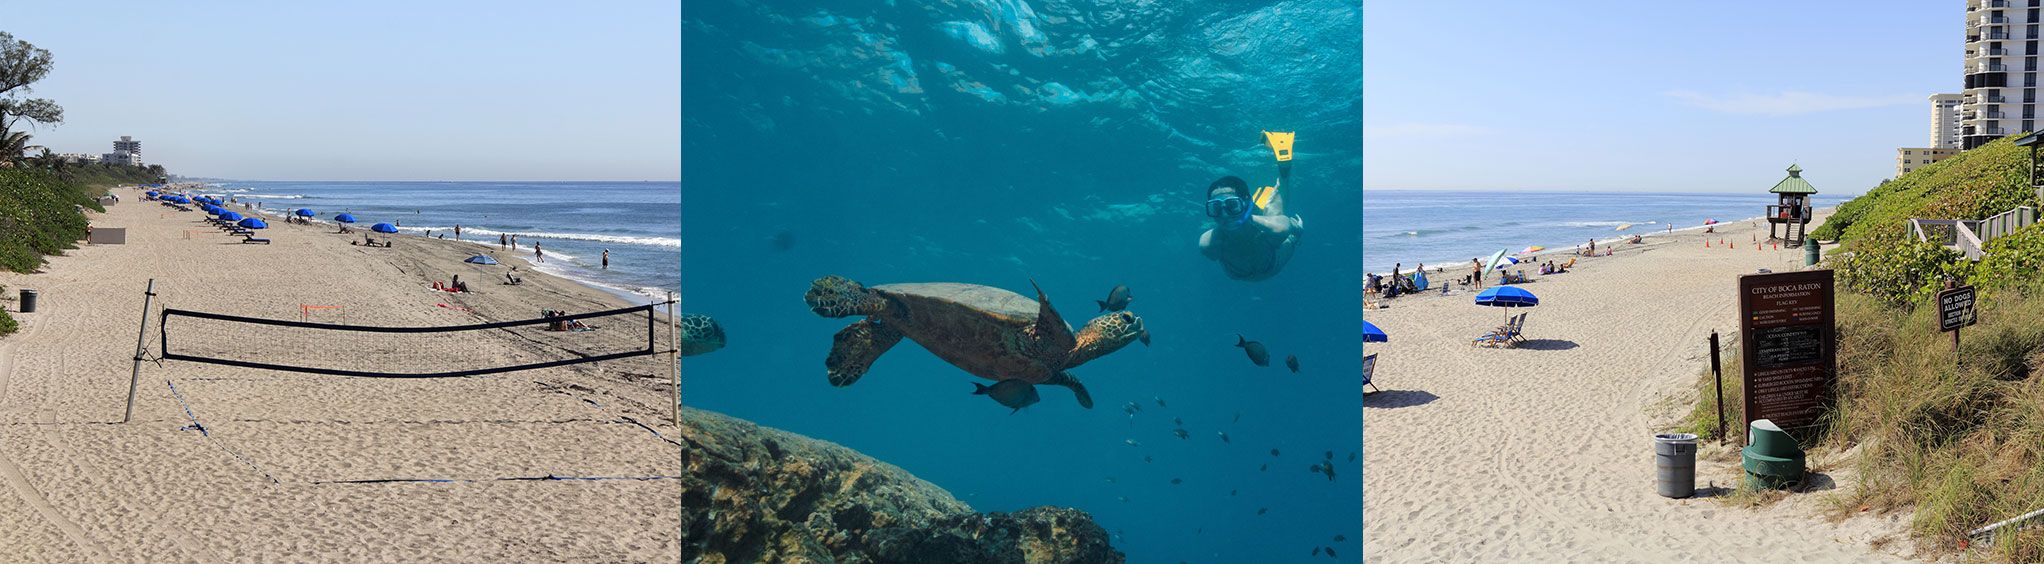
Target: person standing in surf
(1252, 237)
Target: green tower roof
(1794, 184)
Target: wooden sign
(1955, 308)
(1788, 339)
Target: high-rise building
(2001, 70)
(1944, 121)
(127, 151)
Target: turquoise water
(1437, 227)
(998, 142)
(574, 222)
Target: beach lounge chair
(1503, 335)
(251, 238)
(1369, 369)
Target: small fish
(1264, 468)
(1177, 481)
(782, 241)
(1257, 354)
(1131, 442)
(1012, 393)
(1261, 511)
(1224, 436)
(1316, 551)
(1339, 538)
(1351, 456)
(1144, 337)
(1160, 402)
(1117, 299)
(1238, 417)
(1330, 551)
(1180, 433)
(1330, 455)
(1315, 469)
(1201, 531)
(1177, 422)
(1231, 492)
(1124, 499)
(1110, 479)
(1292, 362)
(1273, 452)
(1146, 459)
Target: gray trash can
(1675, 464)
(28, 300)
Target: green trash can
(1773, 460)
(1811, 251)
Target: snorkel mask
(1230, 212)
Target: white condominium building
(2001, 70)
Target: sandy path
(1544, 453)
(261, 484)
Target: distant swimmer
(606, 259)
(537, 254)
(1252, 237)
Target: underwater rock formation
(754, 494)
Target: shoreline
(1557, 251)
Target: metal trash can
(28, 300)
(1812, 251)
(1675, 464)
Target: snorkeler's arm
(1206, 244)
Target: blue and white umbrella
(1371, 334)
(481, 259)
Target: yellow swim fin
(1262, 197)
(1280, 143)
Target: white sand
(75, 486)
(1545, 453)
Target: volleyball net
(551, 340)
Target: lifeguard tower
(1789, 220)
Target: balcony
(1997, 100)
(1998, 36)
(1994, 115)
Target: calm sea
(1410, 227)
(574, 222)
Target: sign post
(1955, 310)
(1788, 339)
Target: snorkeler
(1252, 237)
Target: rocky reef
(754, 494)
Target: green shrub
(41, 213)
(7, 324)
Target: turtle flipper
(837, 296)
(1067, 380)
(855, 348)
(1052, 334)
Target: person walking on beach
(501, 242)
(606, 259)
(1476, 273)
(514, 240)
(537, 254)
(457, 232)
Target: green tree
(22, 64)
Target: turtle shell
(980, 329)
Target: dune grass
(1958, 439)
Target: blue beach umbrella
(345, 218)
(383, 228)
(302, 212)
(1371, 334)
(230, 216)
(151, 193)
(481, 259)
(253, 223)
(1507, 296)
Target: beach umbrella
(383, 228)
(151, 193)
(1623, 227)
(1711, 221)
(345, 218)
(230, 216)
(302, 212)
(1371, 334)
(1532, 249)
(1507, 296)
(480, 259)
(1496, 259)
(1507, 262)
(253, 223)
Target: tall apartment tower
(2001, 70)
(1944, 121)
(128, 145)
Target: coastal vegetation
(1956, 437)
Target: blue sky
(368, 90)
(1650, 96)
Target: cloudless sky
(374, 90)
(1651, 96)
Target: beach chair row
(247, 235)
(1509, 334)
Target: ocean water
(1448, 228)
(573, 222)
(999, 142)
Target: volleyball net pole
(674, 357)
(141, 348)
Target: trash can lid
(1675, 438)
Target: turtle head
(1105, 334)
(700, 334)
(837, 296)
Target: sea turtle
(990, 332)
(700, 334)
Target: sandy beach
(268, 480)
(1544, 452)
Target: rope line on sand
(204, 434)
(546, 478)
